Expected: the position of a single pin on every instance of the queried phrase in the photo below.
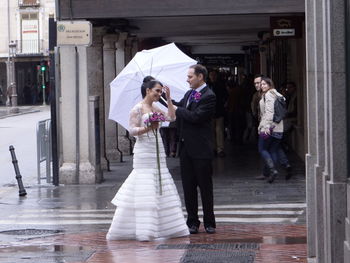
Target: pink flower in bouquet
(154, 117)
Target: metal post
(77, 119)
(48, 150)
(12, 48)
(22, 191)
(8, 101)
(54, 116)
(43, 86)
(38, 151)
(120, 152)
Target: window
(29, 33)
(24, 3)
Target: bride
(148, 206)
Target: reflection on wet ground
(82, 214)
(241, 243)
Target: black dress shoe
(210, 230)
(289, 172)
(261, 177)
(221, 154)
(193, 229)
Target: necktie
(191, 97)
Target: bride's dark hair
(148, 83)
(144, 84)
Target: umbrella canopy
(167, 64)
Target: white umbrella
(167, 64)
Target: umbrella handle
(163, 100)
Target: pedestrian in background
(218, 87)
(270, 132)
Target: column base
(87, 174)
(113, 155)
(104, 163)
(67, 174)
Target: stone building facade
(26, 24)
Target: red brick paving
(279, 243)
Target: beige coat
(266, 112)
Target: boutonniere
(196, 96)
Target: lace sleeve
(166, 115)
(135, 121)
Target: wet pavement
(257, 221)
(15, 111)
(232, 243)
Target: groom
(194, 115)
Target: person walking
(195, 113)
(270, 132)
(218, 87)
(148, 204)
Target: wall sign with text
(286, 26)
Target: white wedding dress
(143, 213)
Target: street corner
(6, 191)
(241, 243)
(20, 110)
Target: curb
(17, 114)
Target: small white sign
(75, 33)
(284, 32)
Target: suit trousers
(197, 173)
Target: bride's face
(155, 93)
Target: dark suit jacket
(195, 124)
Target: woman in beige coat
(270, 132)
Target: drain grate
(222, 246)
(30, 232)
(210, 256)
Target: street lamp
(12, 76)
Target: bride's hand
(154, 125)
(167, 92)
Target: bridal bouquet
(156, 117)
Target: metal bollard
(22, 191)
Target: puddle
(268, 240)
(45, 253)
(30, 232)
(283, 240)
(44, 248)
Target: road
(20, 131)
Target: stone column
(77, 147)
(134, 47)
(67, 171)
(109, 73)
(87, 170)
(326, 158)
(123, 140)
(336, 129)
(96, 83)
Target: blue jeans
(268, 149)
(282, 157)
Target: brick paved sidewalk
(69, 223)
(238, 243)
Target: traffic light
(43, 68)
